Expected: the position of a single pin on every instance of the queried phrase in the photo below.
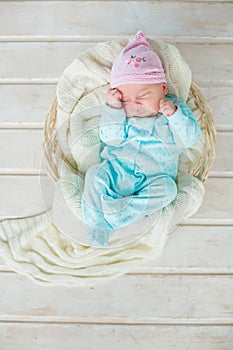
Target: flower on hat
(134, 58)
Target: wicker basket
(201, 170)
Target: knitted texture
(34, 245)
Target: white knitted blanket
(48, 249)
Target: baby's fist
(113, 99)
(167, 107)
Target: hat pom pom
(140, 35)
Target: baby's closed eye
(139, 97)
(142, 95)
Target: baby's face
(142, 100)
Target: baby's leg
(107, 193)
(156, 194)
(97, 228)
(105, 210)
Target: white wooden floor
(182, 300)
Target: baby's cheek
(154, 105)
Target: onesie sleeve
(112, 125)
(186, 130)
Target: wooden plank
(134, 337)
(22, 150)
(221, 103)
(25, 104)
(203, 249)
(224, 148)
(160, 297)
(25, 195)
(15, 188)
(74, 18)
(32, 102)
(208, 63)
(217, 203)
(183, 18)
(37, 59)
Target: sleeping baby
(144, 129)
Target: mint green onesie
(138, 169)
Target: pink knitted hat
(137, 63)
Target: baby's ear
(165, 89)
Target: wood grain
(75, 18)
(134, 337)
(40, 60)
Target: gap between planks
(40, 126)
(165, 271)
(54, 81)
(164, 1)
(101, 38)
(117, 320)
(37, 172)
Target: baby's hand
(113, 99)
(167, 107)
